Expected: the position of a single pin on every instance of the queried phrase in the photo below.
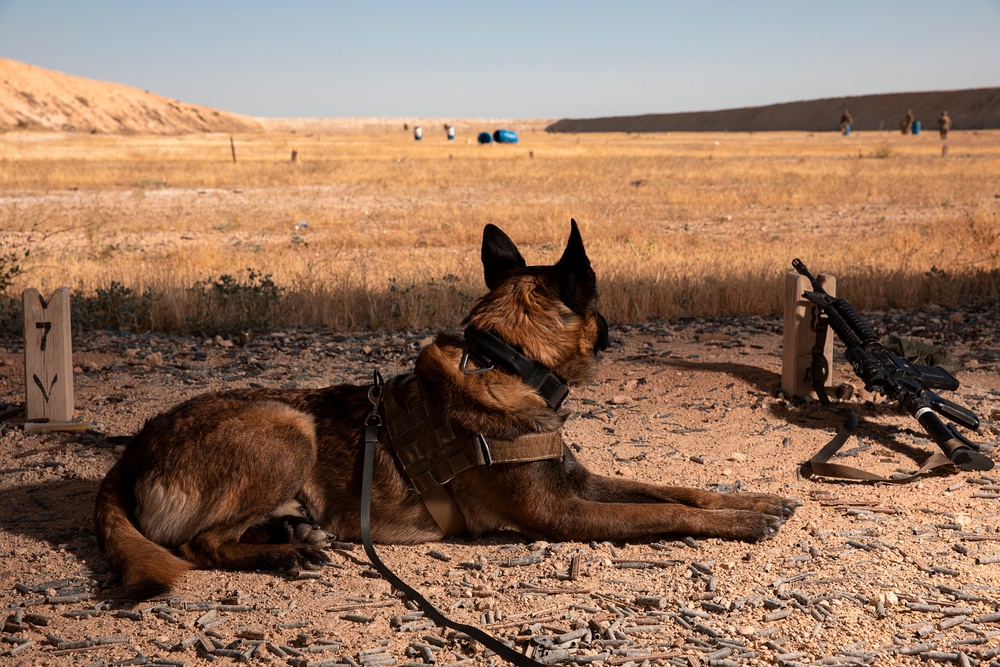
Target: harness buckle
(484, 447)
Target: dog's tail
(146, 569)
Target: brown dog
(470, 444)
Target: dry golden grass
(676, 224)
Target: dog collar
(497, 352)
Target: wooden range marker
(48, 363)
(800, 336)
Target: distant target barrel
(418, 133)
(485, 138)
(505, 137)
(450, 131)
(916, 127)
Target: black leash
(372, 423)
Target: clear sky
(516, 59)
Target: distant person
(906, 126)
(846, 121)
(944, 124)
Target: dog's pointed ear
(577, 280)
(500, 256)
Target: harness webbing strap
(820, 463)
(444, 511)
(527, 447)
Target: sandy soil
(862, 574)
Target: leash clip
(375, 396)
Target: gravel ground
(863, 574)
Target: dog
(470, 444)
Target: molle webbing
(432, 452)
(427, 446)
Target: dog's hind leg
(220, 547)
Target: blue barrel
(916, 127)
(484, 138)
(450, 130)
(505, 137)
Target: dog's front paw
(766, 503)
(784, 507)
(771, 525)
(743, 525)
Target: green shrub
(227, 305)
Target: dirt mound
(974, 109)
(32, 98)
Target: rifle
(897, 379)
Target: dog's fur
(201, 485)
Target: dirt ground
(862, 574)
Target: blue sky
(514, 59)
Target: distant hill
(33, 98)
(974, 109)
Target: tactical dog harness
(432, 452)
(376, 394)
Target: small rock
(956, 318)
(738, 456)
(154, 359)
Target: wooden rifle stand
(48, 363)
(801, 316)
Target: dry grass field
(168, 233)
(171, 234)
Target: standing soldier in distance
(944, 124)
(907, 124)
(846, 121)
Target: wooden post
(232, 147)
(48, 357)
(800, 336)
